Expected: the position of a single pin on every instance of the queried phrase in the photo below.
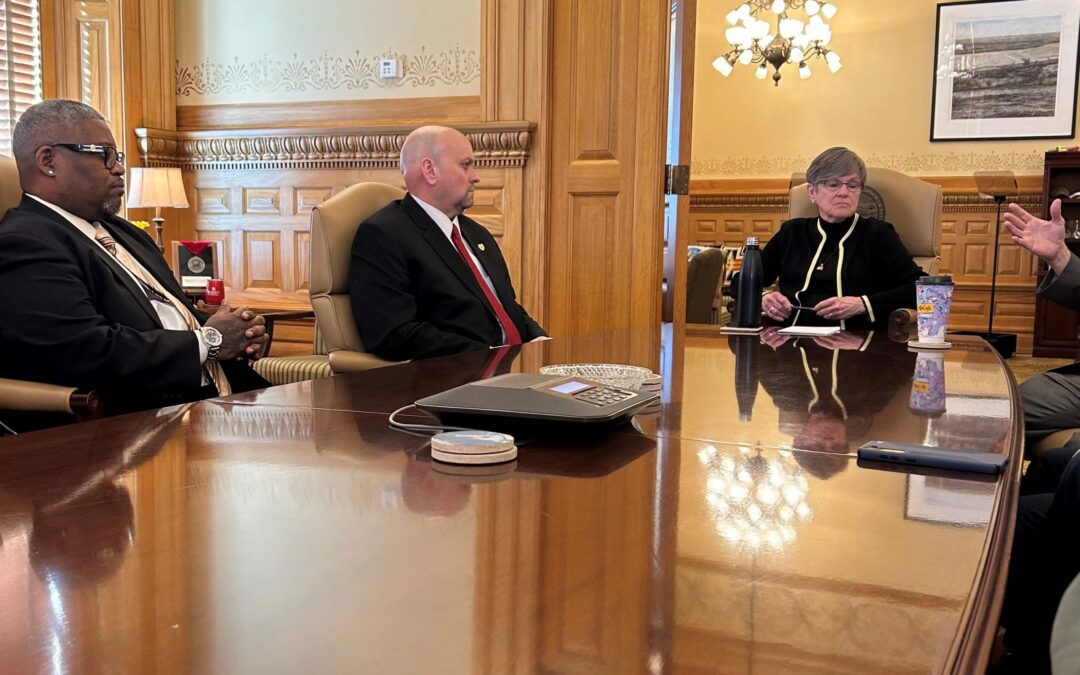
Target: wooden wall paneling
(536, 72)
(262, 215)
(149, 78)
(606, 208)
(301, 268)
(262, 261)
(100, 60)
(53, 31)
(502, 59)
(82, 58)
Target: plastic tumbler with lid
(933, 297)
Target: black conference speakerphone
(529, 398)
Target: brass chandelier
(755, 40)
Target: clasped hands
(243, 332)
(778, 308)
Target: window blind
(20, 64)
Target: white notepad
(810, 330)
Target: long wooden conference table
(730, 529)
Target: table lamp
(156, 187)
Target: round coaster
(484, 458)
(471, 442)
(936, 346)
(474, 473)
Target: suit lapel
(122, 277)
(473, 233)
(443, 248)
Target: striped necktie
(155, 291)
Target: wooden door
(605, 204)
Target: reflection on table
(732, 530)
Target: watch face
(196, 265)
(212, 336)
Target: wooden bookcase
(1056, 327)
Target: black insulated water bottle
(748, 300)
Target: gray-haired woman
(852, 271)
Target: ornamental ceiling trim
(495, 145)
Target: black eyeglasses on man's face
(109, 154)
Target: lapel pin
(480, 246)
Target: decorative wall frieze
(915, 163)
(952, 202)
(495, 144)
(327, 72)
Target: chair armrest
(344, 361)
(903, 325)
(272, 317)
(40, 397)
(902, 317)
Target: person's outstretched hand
(1044, 238)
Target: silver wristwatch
(212, 337)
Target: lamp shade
(155, 187)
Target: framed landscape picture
(1005, 70)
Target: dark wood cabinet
(1056, 326)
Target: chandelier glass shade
(754, 39)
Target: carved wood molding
(973, 203)
(952, 202)
(753, 203)
(495, 144)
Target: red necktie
(513, 337)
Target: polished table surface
(730, 529)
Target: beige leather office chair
(912, 206)
(34, 396)
(333, 227)
(297, 368)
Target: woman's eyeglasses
(109, 155)
(834, 185)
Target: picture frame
(1005, 70)
(208, 265)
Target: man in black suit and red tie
(426, 280)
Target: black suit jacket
(412, 294)
(71, 315)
